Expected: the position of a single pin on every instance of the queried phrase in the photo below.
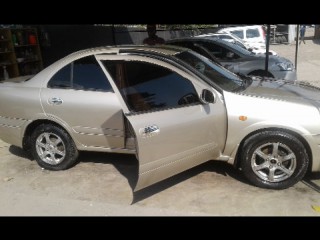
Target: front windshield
(238, 48)
(240, 44)
(216, 74)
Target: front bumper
(286, 75)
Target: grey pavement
(101, 184)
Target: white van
(252, 35)
(235, 39)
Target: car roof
(160, 49)
(240, 27)
(205, 38)
(213, 34)
(218, 41)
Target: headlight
(285, 66)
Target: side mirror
(207, 96)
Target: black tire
(275, 153)
(56, 146)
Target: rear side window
(238, 33)
(82, 74)
(252, 33)
(61, 79)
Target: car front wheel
(53, 148)
(274, 159)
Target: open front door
(172, 141)
(174, 131)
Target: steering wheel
(187, 99)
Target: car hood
(262, 51)
(284, 90)
(262, 56)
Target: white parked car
(254, 35)
(235, 39)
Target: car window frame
(224, 47)
(197, 83)
(71, 65)
(238, 30)
(252, 29)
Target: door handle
(55, 101)
(149, 131)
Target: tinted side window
(61, 79)
(88, 75)
(238, 33)
(82, 74)
(216, 50)
(225, 37)
(146, 86)
(220, 52)
(252, 33)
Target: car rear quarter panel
(19, 106)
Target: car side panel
(19, 106)
(96, 118)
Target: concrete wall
(65, 39)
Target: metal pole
(297, 44)
(113, 34)
(267, 50)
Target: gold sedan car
(171, 107)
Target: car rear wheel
(274, 160)
(53, 148)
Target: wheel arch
(297, 135)
(32, 126)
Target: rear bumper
(10, 130)
(11, 135)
